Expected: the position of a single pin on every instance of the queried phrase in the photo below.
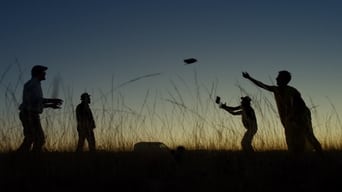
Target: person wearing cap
(30, 109)
(248, 120)
(294, 115)
(85, 124)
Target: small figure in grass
(85, 124)
(248, 120)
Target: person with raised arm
(248, 120)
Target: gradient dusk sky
(101, 45)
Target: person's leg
(26, 144)
(246, 141)
(295, 139)
(309, 132)
(81, 139)
(28, 133)
(312, 138)
(91, 141)
(39, 137)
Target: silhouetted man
(295, 116)
(248, 120)
(85, 123)
(31, 107)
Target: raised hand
(223, 106)
(245, 75)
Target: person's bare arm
(54, 103)
(235, 112)
(232, 110)
(258, 83)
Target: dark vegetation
(188, 171)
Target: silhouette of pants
(295, 137)
(246, 141)
(310, 136)
(299, 133)
(33, 132)
(85, 134)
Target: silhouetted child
(85, 123)
(248, 119)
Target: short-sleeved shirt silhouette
(32, 96)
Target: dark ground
(191, 171)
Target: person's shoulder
(33, 82)
(293, 89)
(78, 105)
(28, 82)
(272, 88)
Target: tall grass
(185, 115)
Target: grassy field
(185, 113)
(185, 116)
(189, 171)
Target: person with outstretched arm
(248, 120)
(30, 109)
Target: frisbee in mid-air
(190, 61)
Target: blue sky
(90, 45)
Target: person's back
(289, 102)
(248, 118)
(84, 116)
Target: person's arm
(232, 110)
(235, 112)
(258, 83)
(52, 103)
(93, 126)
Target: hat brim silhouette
(85, 96)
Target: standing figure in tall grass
(295, 116)
(85, 124)
(31, 107)
(248, 120)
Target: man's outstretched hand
(222, 106)
(246, 75)
(54, 103)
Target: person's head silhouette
(283, 78)
(85, 97)
(38, 71)
(245, 100)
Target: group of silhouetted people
(294, 115)
(33, 104)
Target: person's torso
(84, 116)
(249, 118)
(289, 103)
(32, 98)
